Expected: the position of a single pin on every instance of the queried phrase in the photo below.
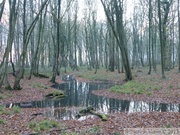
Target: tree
(179, 35)
(2, 8)
(13, 8)
(119, 32)
(150, 34)
(166, 7)
(25, 45)
(36, 56)
(57, 46)
(161, 41)
(75, 36)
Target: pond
(79, 95)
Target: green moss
(132, 87)
(2, 121)
(10, 111)
(95, 130)
(155, 88)
(56, 94)
(170, 86)
(1, 108)
(86, 110)
(32, 125)
(39, 85)
(16, 109)
(1, 96)
(43, 125)
(100, 115)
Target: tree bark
(13, 7)
(24, 51)
(150, 35)
(119, 35)
(57, 46)
(2, 8)
(179, 36)
(161, 40)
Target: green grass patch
(1, 96)
(43, 125)
(2, 121)
(1, 108)
(156, 88)
(38, 85)
(5, 95)
(132, 87)
(101, 75)
(10, 111)
(95, 130)
(16, 109)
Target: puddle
(78, 95)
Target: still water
(79, 95)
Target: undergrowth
(44, 125)
(38, 85)
(9, 111)
(132, 87)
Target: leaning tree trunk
(4, 63)
(35, 60)
(119, 34)
(2, 8)
(179, 36)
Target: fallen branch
(56, 94)
(89, 110)
(41, 75)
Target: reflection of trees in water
(80, 94)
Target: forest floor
(29, 120)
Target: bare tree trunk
(111, 51)
(2, 8)
(179, 35)
(150, 35)
(32, 36)
(57, 46)
(75, 38)
(24, 51)
(161, 40)
(119, 35)
(4, 64)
